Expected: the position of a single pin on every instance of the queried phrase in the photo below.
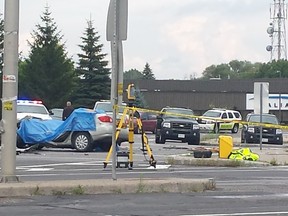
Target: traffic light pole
(10, 92)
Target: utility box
(225, 146)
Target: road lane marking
(241, 214)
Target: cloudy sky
(178, 38)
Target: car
(271, 131)
(107, 107)
(84, 130)
(175, 123)
(217, 119)
(32, 108)
(56, 113)
(148, 120)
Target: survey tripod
(130, 110)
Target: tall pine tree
(93, 75)
(147, 72)
(47, 73)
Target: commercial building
(201, 95)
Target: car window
(32, 109)
(230, 115)
(152, 116)
(237, 115)
(107, 107)
(212, 113)
(224, 116)
(265, 119)
(185, 112)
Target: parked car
(148, 120)
(32, 108)
(177, 124)
(271, 131)
(216, 120)
(56, 113)
(84, 130)
(107, 107)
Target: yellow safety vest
(243, 154)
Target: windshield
(32, 109)
(185, 112)
(107, 107)
(265, 119)
(211, 113)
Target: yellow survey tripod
(130, 111)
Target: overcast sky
(178, 38)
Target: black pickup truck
(177, 124)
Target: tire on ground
(82, 141)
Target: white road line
(241, 214)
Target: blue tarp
(33, 130)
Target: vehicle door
(225, 125)
(149, 122)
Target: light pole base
(9, 179)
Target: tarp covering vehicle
(33, 130)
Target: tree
(47, 73)
(147, 72)
(93, 81)
(274, 69)
(233, 70)
(132, 74)
(140, 101)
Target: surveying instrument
(130, 110)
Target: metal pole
(261, 112)
(10, 90)
(115, 74)
(280, 115)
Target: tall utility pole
(10, 91)
(277, 30)
(116, 32)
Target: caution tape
(207, 118)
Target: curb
(106, 186)
(188, 159)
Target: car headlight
(278, 131)
(195, 127)
(166, 125)
(251, 129)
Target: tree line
(49, 74)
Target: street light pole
(280, 114)
(10, 90)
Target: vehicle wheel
(81, 141)
(235, 128)
(216, 128)
(20, 143)
(159, 140)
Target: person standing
(67, 110)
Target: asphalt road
(239, 190)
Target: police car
(218, 119)
(33, 109)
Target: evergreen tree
(147, 72)
(132, 74)
(47, 73)
(94, 82)
(140, 101)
